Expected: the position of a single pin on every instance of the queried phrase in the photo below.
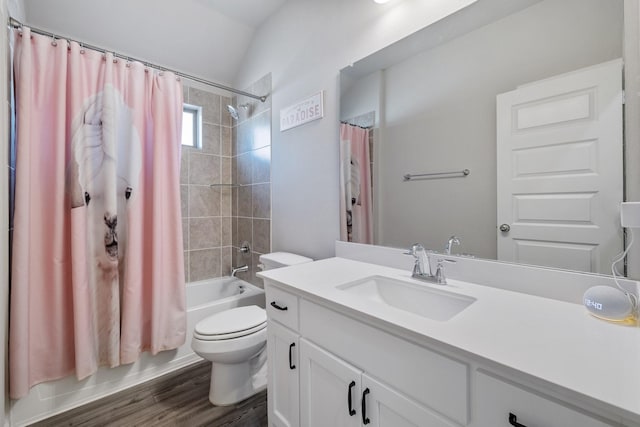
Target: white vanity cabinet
(326, 358)
(335, 393)
(282, 358)
(338, 368)
(500, 402)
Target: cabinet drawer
(282, 306)
(497, 399)
(431, 379)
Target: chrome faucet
(422, 265)
(240, 269)
(453, 240)
(440, 277)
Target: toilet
(235, 340)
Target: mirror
(474, 88)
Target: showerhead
(233, 112)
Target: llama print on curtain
(356, 211)
(97, 261)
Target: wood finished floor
(180, 398)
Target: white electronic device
(608, 303)
(611, 303)
(630, 214)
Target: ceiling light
(381, 1)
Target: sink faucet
(440, 277)
(240, 269)
(453, 240)
(422, 266)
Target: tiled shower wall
(252, 173)
(206, 210)
(217, 220)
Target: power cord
(616, 273)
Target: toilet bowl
(234, 341)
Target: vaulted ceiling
(205, 38)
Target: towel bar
(462, 173)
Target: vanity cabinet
(326, 358)
(501, 402)
(282, 358)
(329, 367)
(335, 393)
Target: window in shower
(192, 125)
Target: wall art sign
(305, 111)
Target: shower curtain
(97, 264)
(356, 215)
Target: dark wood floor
(180, 398)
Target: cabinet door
(283, 374)
(385, 407)
(498, 400)
(327, 384)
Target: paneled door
(559, 170)
(283, 365)
(330, 389)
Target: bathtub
(207, 297)
(204, 298)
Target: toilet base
(232, 383)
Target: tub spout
(240, 269)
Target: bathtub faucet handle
(245, 248)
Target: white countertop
(555, 341)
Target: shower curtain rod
(14, 23)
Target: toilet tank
(281, 259)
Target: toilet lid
(233, 323)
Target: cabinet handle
(365, 420)
(291, 365)
(277, 307)
(352, 411)
(513, 420)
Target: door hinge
(624, 97)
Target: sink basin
(418, 299)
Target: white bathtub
(204, 298)
(207, 297)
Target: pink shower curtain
(97, 262)
(356, 213)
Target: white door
(329, 389)
(385, 407)
(283, 365)
(559, 165)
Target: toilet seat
(234, 323)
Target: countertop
(555, 341)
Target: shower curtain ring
(53, 40)
(81, 48)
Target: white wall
(190, 36)
(16, 9)
(440, 109)
(361, 96)
(304, 46)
